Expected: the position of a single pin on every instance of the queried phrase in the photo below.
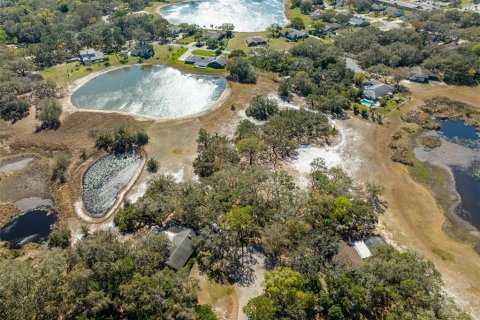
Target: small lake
(457, 132)
(246, 15)
(105, 179)
(32, 226)
(156, 91)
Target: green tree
(241, 71)
(228, 28)
(59, 168)
(261, 108)
(60, 238)
(49, 112)
(260, 308)
(297, 23)
(252, 147)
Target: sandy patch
(346, 154)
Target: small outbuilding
(255, 41)
(181, 248)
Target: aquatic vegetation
(105, 179)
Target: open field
(414, 219)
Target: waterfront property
(203, 62)
(419, 74)
(90, 55)
(255, 41)
(145, 51)
(294, 34)
(375, 89)
(156, 91)
(245, 15)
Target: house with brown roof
(255, 41)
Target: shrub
(152, 165)
(59, 238)
(122, 139)
(59, 167)
(49, 114)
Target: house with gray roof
(219, 62)
(145, 51)
(294, 34)
(419, 74)
(203, 62)
(181, 246)
(375, 89)
(331, 28)
(90, 55)
(358, 22)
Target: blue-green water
(457, 132)
(157, 91)
(246, 15)
(466, 183)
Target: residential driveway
(246, 292)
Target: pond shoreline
(467, 158)
(82, 212)
(71, 108)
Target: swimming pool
(367, 103)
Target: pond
(246, 15)
(458, 132)
(460, 154)
(468, 186)
(32, 226)
(156, 91)
(105, 179)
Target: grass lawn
(58, 73)
(173, 60)
(187, 40)
(206, 53)
(293, 13)
(222, 298)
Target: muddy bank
(456, 160)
